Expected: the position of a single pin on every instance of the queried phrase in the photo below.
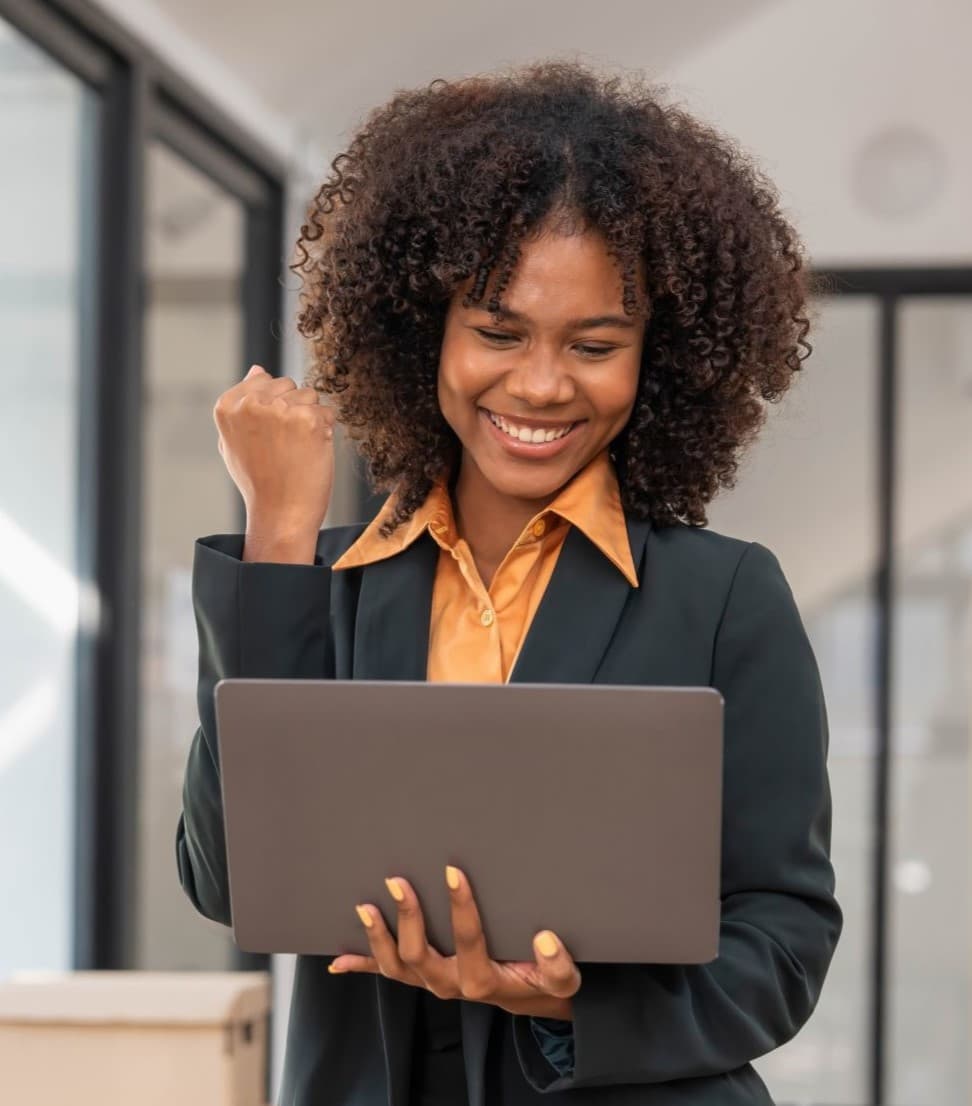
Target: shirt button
(539, 528)
(487, 617)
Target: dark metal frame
(141, 99)
(888, 287)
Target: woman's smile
(529, 438)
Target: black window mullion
(263, 299)
(112, 405)
(884, 598)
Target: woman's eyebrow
(507, 314)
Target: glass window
(930, 921)
(808, 492)
(48, 132)
(194, 329)
(48, 136)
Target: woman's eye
(503, 338)
(495, 335)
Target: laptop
(591, 810)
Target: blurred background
(156, 159)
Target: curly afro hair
(438, 189)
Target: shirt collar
(591, 502)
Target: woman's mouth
(529, 437)
(534, 435)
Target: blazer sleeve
(253, 619)
(645, 1023)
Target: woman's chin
(529, 486)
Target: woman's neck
(489, 521)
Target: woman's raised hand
(542, 987)
(276, 440)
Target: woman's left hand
(541, 988)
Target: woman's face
(536, 396)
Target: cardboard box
(127, 1038)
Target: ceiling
(322, 65)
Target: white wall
(807, 86)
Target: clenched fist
(276, 441)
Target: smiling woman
(550, 311)
(536, 386)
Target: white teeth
(525, 434)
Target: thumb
(558, 972)
(254, 369)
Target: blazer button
(487, 617)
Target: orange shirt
(476, 633)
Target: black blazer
(710, 610)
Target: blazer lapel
(576, 618)
(391, 631)
(391, 642)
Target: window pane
(194, 326)
(930, 918)
(812, 476)
(47, 134)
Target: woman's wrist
(277, 544)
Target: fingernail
(365, 916)
(452, 877)
(253, 369)
(395, 889)
(547, 944)
(335, 971)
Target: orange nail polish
(546, 944)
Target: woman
(550, 310)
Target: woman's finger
(558, 974)
(347, 962)
(414, 950)
(383, 946)
(309, 396)
(279, 385)
(258, 380)
(477, 974)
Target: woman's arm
(635, 1023)
(261, 599)
(259, 619)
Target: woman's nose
(540, 382)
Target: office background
(156, 158)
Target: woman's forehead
(558, 277)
